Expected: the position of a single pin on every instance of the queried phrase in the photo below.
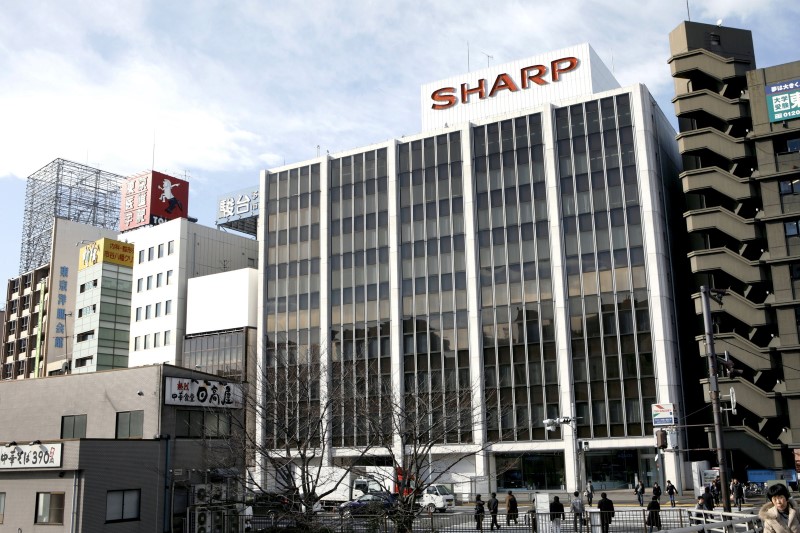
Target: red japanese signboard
(152, 198)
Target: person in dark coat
(708, 499)
(556, 515)
(494, 507)
(737, 491)
(671, 491)
(657, 492)
(479, 512)
(653, 515)
(512, 511)
(606, 508)
(589, 492)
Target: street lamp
(550, 424)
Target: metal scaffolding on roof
(67, 190)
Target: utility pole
(706, 294)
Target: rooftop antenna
(688, 16)
(488, 58)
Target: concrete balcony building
(740, 143)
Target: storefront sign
(18, 456)
(783, 100)
(203, 393)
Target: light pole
(706, 294)
(551, 424)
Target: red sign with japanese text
(151, 198)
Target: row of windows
(153, 310)
(147, 283)
(159, 250)
(143, 342)
(121, 506)
(89, 285)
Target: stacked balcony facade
(739, 226)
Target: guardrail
(674, 520)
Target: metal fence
(675, 520)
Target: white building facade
(167, 256)
(514, 256)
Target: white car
(436, 498)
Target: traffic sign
(663, 414)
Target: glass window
(130, 424)
(149, 282)
(158, 309)
(170, 247)
(141, 256)
(73, 427)
(168, 307)
(150, 253)
(167, 337)
(147, 310)
(49, 507)
(122, 505)
(159, 278)
(139, 284)
(138, 314)
(2, 506)
(156, 339)
(160, 250)
(169, 277)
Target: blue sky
(230, 88)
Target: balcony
(707, 101)
(717, 179)
(718, 67)
(739, 228)
(724, 259)
(711, 139)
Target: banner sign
(663, 414)
(18, 456)
(783, 100)
(202, 393)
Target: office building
(513, 259)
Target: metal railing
(675, 520)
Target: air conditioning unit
(201, 494)
(202, 520)
(218, 492)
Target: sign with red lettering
(510, 87)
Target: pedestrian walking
(512, 511)
(639, 491)
(494, 507)
(556, 515)
(779, 515)
(708, 499)
(577, 509)
(671, 491)
(589, 492)
(606, 508)
(479, 513)
(657, 492)
(700, 506)
(737, 491)
(653, 515)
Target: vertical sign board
(663, 414)
(152, 198)
(783, 100)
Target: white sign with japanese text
(663, 414)
(30, 456)
(203, 393)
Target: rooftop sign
(526, 83)
(106, 251)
